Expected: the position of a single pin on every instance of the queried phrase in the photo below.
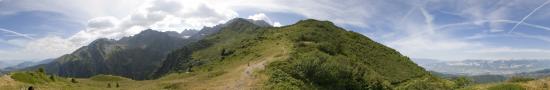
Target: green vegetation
(328, 57)
(234, 40)
(108, 78)
(506, 87)
(34, 77)
(520, 79)
(462, 82)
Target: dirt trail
(7, 83)
(247, 79)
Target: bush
(520, 79)
(462, 81)
(41, 70)
(52, 78)
(73, 80)
(37, 77)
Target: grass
(29, 77)
(35, 77)
(108, 78)
(529, 84)
(507, 86)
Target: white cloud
(417, 35)
(16, 42)
(163, 15)
(507, 53)
(262, 16)
(81, 10)
(277, 24)
(102, 22)
(40, 49)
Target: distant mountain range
(26, 64)
(5, 64)
(535, 74)
(484, 67)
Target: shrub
(52, 78)
(41, 70)
(73, 80)
(31, 77)
(520, 79)
(462, 81)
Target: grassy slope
(328, 57)
(540, 84)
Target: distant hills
(487, 71)
(484, 67)
(535, 74)
(26, 64)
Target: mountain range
(484, 67)
(240, 54)
(135, 57)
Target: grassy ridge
(35, 77)
(328, 57)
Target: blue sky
(434, 29)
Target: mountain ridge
(133, 56)
(247, 54)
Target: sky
(32, 30)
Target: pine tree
(41, 70)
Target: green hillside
(320, 56)
(328, 57)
